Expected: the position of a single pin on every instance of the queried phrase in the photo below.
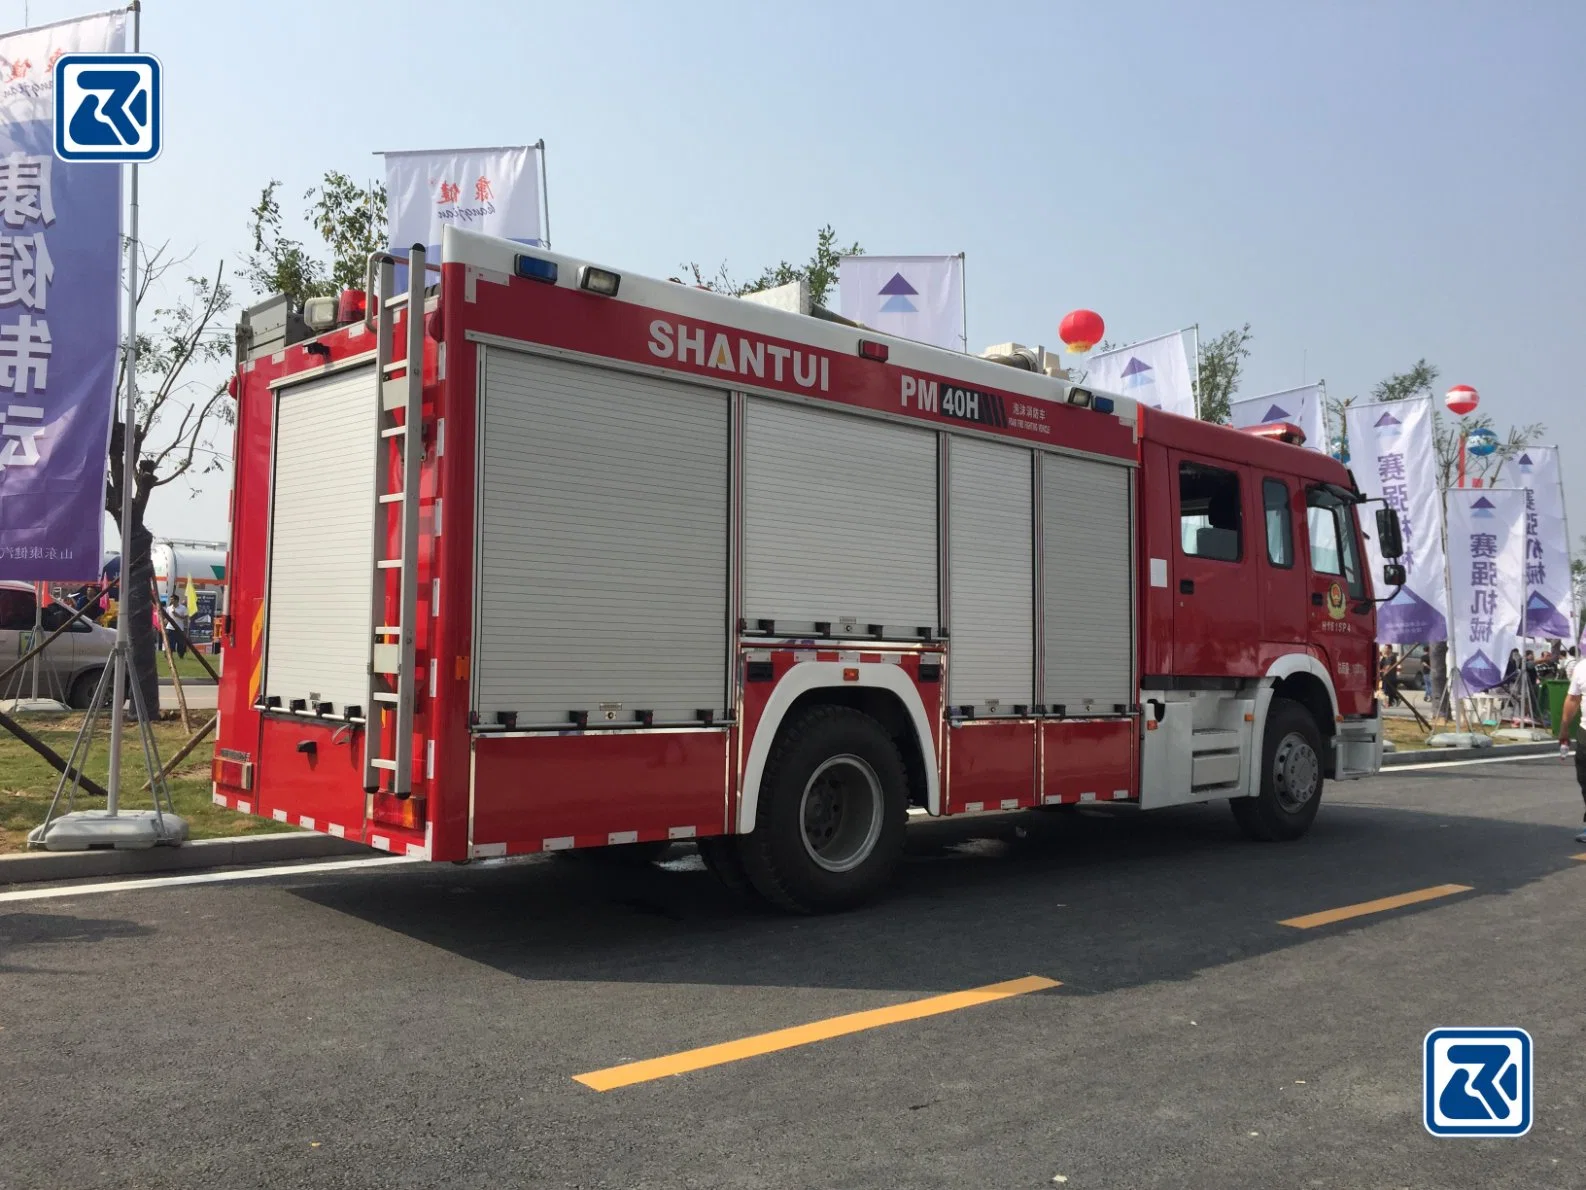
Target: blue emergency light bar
(536, 269)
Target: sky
(1366, 184)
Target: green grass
(189, 668)
(27, 782)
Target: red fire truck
(535, 555)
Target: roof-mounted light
(1080, 396)
(601, 281)
(536, 269)
(870, 349)
(319, 313)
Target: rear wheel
(81, 695)
(831, 816)
(720, 854)
(1291, 776)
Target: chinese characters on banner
(60, 266)
(1550, 598)
(1486, 568)
(1391, 455)
(494, 191)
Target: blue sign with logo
(1477, 1082)
(107, 107)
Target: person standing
(1388, 674)
(1567, 721)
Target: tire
(82, 691)
(720, 854)
(1291, 777)
(833, 805)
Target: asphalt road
(422, 1026)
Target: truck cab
(1256, 589)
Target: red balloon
(1461, 399)
(1081, 329)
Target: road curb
(34, 866)
(1434, 755)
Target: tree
(170, 430)
(1222, 364)
(351, 222)
(1420, 380)
(820, 271)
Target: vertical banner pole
(1569, 553)
(1452, 660)
(545, 190)
(963, 297)
(1327, 421)
(123, 662)
(1198, 393)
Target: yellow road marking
(1582, 858)
(1328, 916)
(781, 1039)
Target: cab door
(1285, 583)
(1341, 613)
(1216, 626)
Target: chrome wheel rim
(1296, 772)
(840, 813)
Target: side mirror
(1390, 541)
(1393, 574)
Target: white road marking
(1389, 770)
(83, 890)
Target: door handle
(1186, 586)
(1316, 598)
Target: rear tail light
(232, 773)
(406, 812)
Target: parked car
(1412, 668)
(70, 668)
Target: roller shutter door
(840, 519)
(602, 574)
(992, 553)
(321, 542)
(1087, 588)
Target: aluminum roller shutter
(321, 542)
(603, 544)
(992, 563)
(840, 519)
(1086, 529)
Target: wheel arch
(1300, 678)
(882, 691)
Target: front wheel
(833, 804)
(1291, 776)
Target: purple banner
(60, 270)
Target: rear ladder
(393, 687)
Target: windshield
(1335, 547)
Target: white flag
(494, 191)
(913, 297)
(1486, 553)
(1155, 373)
(1391, 455)
(1302, 407)
(1550, 596)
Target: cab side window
(16, 609)
(1209, 521)
(1280, 522)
